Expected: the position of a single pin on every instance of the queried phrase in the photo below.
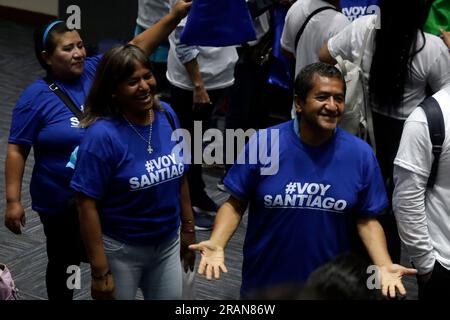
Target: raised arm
(151, 38)
(212, 250)
(16, 158)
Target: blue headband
(47, 30)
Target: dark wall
(104, 21)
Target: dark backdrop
(104, 22)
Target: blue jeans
(155, 269)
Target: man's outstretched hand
(391, 279)
(213, 259)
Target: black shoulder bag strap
(64, 97)
(170, 119)
(302, 28)
(436, 127)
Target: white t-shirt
(423, 216)
(430, 66)
(262, 26)
(216, 64)
(319, 29)
(151, 11)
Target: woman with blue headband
(45, 119)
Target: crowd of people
(102, 132)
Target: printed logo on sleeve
(159, 170)
(306, 195)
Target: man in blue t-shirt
(302, 208)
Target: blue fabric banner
(218, 23)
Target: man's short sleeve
(372, 199)
(414, 152)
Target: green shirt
(439, 17)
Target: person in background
(200, 82)
(399, 63)
(42, 121)
(131, 190)
(421, 211)
(343, 278)
(354, 9)
(319, 29)
(149, 13)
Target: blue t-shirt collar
(296, 127)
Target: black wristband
(101, 277)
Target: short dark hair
(117, 65)
(343, 278)
(50, 43)
(304, 80)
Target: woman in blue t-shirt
(132, 191)
(43, 121)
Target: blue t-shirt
(356, 8)
(301, 217)
(40, 119)
(138, 193)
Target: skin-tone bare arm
(201, 97)
(212, 250)
(227, 221)
(445, 35)
(102, 286)
(151, 38)
(187, 227)
(373, 237)
(325, 56)
(16, 158)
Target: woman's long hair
(117, 65)
(396, 45)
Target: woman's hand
(102, 287)
(15, 217)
